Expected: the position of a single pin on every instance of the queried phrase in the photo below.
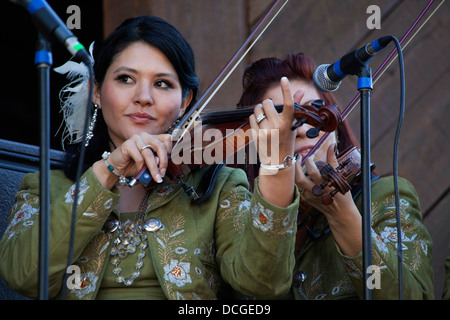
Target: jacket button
(298, 278)
(111, 225)
(152, 225)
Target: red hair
(265, 73)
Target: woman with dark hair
(150, 243)
(329, 237)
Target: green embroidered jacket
(328, 274)
(323, 272)
(234, 236)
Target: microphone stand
(365, 87)
(43, 61)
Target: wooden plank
(425, 134)
(215, 30)
(424, 145)
(116, 11)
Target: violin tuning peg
(298, 124)
(318, 103)
(312, 133)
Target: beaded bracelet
(288, 161)
(122, 179)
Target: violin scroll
(340, 178)
(318, 115)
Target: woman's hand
(342, 215)
(272, 131)
(129, 158)
(305, 183)
(274, 138)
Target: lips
(303, 151)
(140, 117)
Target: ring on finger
(260, 118)
(147, 146)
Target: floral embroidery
(225, 204)
(25, 213)
(379, 242)
(424, 247)
(262, 218)
(171, 241)
(180, 250)
(177, 272)
(23, 217)
(82, 190)
(244, 205)
(108, 204)
(236, 206)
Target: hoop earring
(90, 133)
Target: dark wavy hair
(155, 32)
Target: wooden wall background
(326, 30)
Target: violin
(343, 178)
(231, 126)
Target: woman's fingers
(155, 150)
(143, 150)
(288, 101)
(331, 156)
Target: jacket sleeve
(19, 246)
(255, 240)
(416, 244)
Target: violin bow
(190, 117)
(383, 67)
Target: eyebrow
(122, 69)
(162, 74)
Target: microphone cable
(395, 167)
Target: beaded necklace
(130, 237)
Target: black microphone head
(322, 81)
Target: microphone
(328, 77)
(49, 22)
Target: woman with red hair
(329, 236)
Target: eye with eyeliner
(124, 78)
(164, 84)
(160, 83)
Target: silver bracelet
(288, 161)
(122, 179)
